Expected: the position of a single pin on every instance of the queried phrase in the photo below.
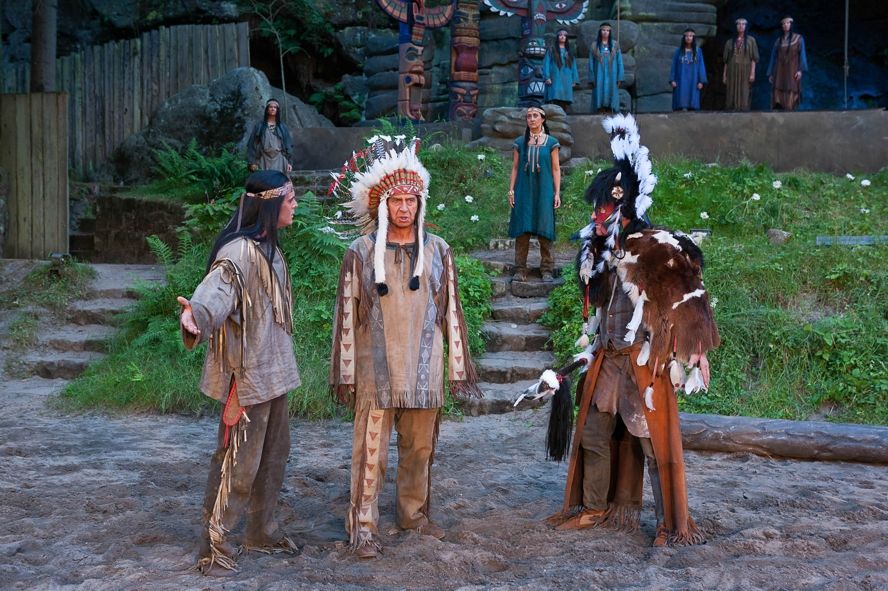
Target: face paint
(604, 214)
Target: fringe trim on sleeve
(342, 361)
(231, 273)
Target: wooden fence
(33, 136)
(115, 88)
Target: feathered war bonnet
(390, 167)
(626, 187)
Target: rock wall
(123, 224)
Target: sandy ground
(112, 502)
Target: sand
(95, 501)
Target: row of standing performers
(688, 73)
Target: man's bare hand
(186, 318)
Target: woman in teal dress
(605, 72)
(534, 193)
(560, 72)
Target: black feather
(560, 429)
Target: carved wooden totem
(534, 16)
(414, 18)
(465, 40)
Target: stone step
(499, 399)
(509, 336)
(118, 281)
(501, 258)
(102, 311)
(72, 337)
(513, 366)
(520, 310)
(534, 287)
(53, 364)
(503, 286)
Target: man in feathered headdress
(652, 318)
(397, 302)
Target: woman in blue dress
(534, 193)
(605, 72)
(560, 72)
(688, 74)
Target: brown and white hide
(676, 310)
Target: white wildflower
(704, 215)
(590, 172)
(481, 157)
(776, 184)
(865, 183)
(849, 176)
(474, 218)
(864, 210)
(469, 198)
(688, 175)
(713, 302)
(338, 214)
(440, 207)
(756, 196)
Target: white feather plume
(694, 382)
(644, 354)
(649, 398)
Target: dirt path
(112, 502)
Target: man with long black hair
(243, 309)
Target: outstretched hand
(186, 318)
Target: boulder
(654, 103)
(682, 11)
(216, 115)
(500, 126)
(776, 236)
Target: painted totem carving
(465, 41)
(534, 16)
(414, 17)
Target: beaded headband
(273, 193)
(536, 110)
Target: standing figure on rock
(560, 72)
(397, 302)
(270, 146)
(605, 72)
(741, 55)
(534, 193)
(651, 318)
(688, 74)
(243, 309)
(789, 61)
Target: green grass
(50, 285)
(803, 327)
(23, 331)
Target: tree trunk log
(43, 45)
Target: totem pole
(414, 18)
(465, 40)
(534, 16)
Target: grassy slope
(803, 328)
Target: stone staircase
(518, 347)
(65, 350)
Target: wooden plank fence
(115, 88)
(33, 136)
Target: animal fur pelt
(661, 272)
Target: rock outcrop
(217, 115)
